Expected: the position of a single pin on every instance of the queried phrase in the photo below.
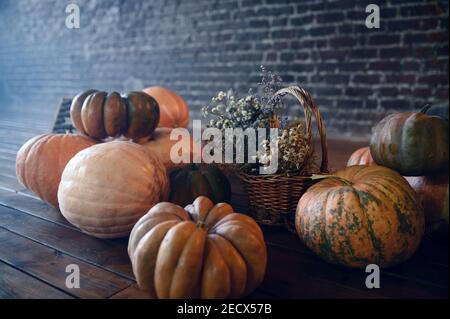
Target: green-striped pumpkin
(191, 181)
(361, 215)
(412, 143)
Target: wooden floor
(37, 243)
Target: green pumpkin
(412, 143)
(191, 181)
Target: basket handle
(307, 101)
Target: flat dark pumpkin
(101, 115)
(115, 115)
(143, 115)
(75, 110)
(92, 115)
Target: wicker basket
(273, 198)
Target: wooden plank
(8, 152)
(9, 145)
(108, 254)
(32, 206)
(15, 284)
(10, 183)
(132, 292)
(432, 269)
(49, 265)
(7, 157)
(300, 269)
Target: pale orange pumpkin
(161, 145)
(361, 157)
(200, 251)
(106, 188)
(174, 111)
(41, 161)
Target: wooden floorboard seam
(71, 255)
(37, 278)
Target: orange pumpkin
(361, 215)
(361, 157)
(161, 144)
(174, 112)
(41, 161)
(200, 251)
(106, 188)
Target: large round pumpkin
(106, 188)
(361, 157)
(432, 191)
(362, 215)
(41, 161)
(201, 251)
(174, 110)
(161, 144)
(101, 115)
(413, 144)
(191, 181)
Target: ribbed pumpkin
(362, 215)
(106, 188)
(413, 144)
(174, 110)
(161, 144)
(432, 192)
(191, 181)
(41, 161)
(361, 157)
(202, 251)
(101, 115)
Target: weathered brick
(384, 39)
(330, 17)
(385, 66)
(433, 79)
(367, 79)
(396, 78)
(396, 104)
(422, 9)
(200, 47)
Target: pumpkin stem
(425, 108)
(343, 180)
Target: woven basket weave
(273, 198)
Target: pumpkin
(106, 188)
(101, 115)
(361, 157)
(432, 191)
(191, 181)
(161, 144)
(174, 112)
(361, 215)
(413, 144)
(41, 161)
(201, 251)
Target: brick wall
(198, 47)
